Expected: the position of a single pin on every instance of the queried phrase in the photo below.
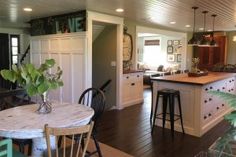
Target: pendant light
(204, 42)
(193, 41)
(213, 42)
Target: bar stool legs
(168, 96)
(180, 113)
(151, 114)
(155, 112)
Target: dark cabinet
(209, 56)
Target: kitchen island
(201, 110)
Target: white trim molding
(99, 17)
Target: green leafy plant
(231, 100)
(36, 81)
(224, 144)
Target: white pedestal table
(24, 122)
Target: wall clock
(127, 45)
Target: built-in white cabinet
(70, 53)
(132, 89)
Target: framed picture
(170, 58)
(176, 42)
(179, 58)
(180, 42)
(169, 42)
(169, 49)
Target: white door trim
(99, 17)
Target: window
(14, 48)
(152, 53)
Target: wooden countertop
(132, 71)
(202, 80)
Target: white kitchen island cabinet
(201, 110)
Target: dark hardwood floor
(129, 130)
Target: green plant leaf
(8, 75)
(60, 83)
(31, 90)
(29, 68)
(14, 68)
(50, 62)
(228, 97)
(53, 85)
(231, 118)
(43, 87)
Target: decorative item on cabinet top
(66, 23)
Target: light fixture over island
(201, 110)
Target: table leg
(40, 146)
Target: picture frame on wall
(169, 49)
(179, 58)
(176, 42)
(169, 42)
(170, 58)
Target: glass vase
(45, 106)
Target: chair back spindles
(70, 148)
(95, 99)
(7, 144)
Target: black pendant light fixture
(193, 41)
(213, 42)
(204, 42)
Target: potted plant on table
(36, 81)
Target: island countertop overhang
(202, 80)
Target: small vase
(45, 106)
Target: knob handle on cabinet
(223, 105)
(209, 114)
(205, 117)
(206, 89)
(205, 101)
(127, 77)
(132, 84)
(217, 108)
(211, 87)
(210, 99)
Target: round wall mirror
(127, 45)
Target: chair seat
(168, 91)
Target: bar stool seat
(168, 96)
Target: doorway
(104, 46)
(4, 58)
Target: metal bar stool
(168, 96)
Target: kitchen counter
(201, 110)
(202, 80)
(132, 71)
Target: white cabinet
(69, 51)
(132, 89)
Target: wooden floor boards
(129, 130)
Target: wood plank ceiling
(157, 12)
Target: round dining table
(23, 122)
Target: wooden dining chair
(95, 99)
(69, 147)
(6, 149)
